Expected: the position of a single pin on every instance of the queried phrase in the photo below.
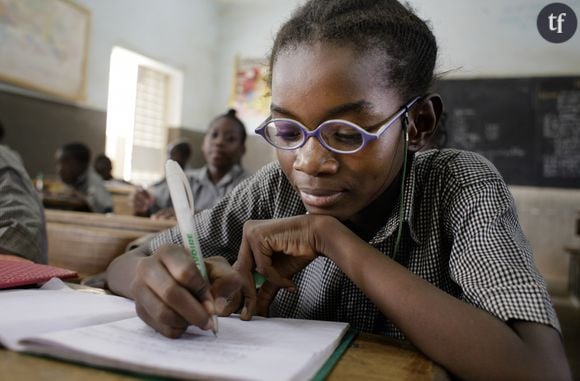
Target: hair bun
(231, 112)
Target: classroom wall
(36, 127)
(250, 31)
(180, 33)
(249, 27)
(495, 38)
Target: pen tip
(215, 325)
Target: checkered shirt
(460, 233)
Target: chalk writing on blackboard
(561, 131)
(529, 128)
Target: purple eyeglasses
(337, 135)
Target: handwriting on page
(259, 349)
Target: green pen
(182, 200)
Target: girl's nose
(315, 160)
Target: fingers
(257, 248)
(262, 252)
(155, 313)
(183, 269)
(244, 265)
(169, 298)
(264, 297)
(226, 285)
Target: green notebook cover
(348, 338)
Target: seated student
(155, 201)
(223, 147)
(350, 225)
(73, 167)
(104, 168)
(22, 222)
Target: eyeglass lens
(287, 135)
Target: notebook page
(30, 312)
(262, 349)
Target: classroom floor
(569, 315)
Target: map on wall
(43, 46)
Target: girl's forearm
(466, 340)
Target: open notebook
(102, 330)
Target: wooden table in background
(62, 202)
(369, 357)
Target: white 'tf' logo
(559, 20)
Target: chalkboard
(529, 128)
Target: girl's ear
(423, 121)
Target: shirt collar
(228, 178)
(82, 180)
(392, 221)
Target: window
(145, 98)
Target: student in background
(73, 167)
(180, 151)
(223, 147)
(22, 222)
(155, 201)
(350, 224)
(104, 168)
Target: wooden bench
(88, 242)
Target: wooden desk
(88, 242)
(55, 201)
(372, 357)
(120, 194)
(369, 358)
(111, 221)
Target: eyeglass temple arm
(403, 111)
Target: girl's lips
(322, 199)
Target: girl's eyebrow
(334, 112)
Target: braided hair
(231, 115)
(368, 26)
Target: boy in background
(73, 167)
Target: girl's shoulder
(269, 177)
(452, 165)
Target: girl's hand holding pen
(171, 294)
